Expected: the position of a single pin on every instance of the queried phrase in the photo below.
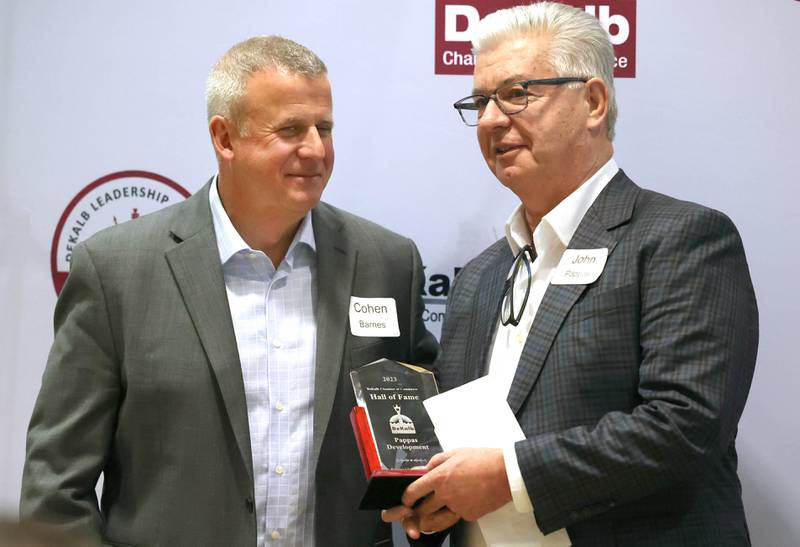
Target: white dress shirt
(273, 318)
(550, 239)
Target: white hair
(227, 82)
(578, 45)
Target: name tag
(580, 266)
(373, 317)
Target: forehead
(278, 93)
(513, 59)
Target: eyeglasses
(510, 99)
(510, 311)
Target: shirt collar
(559, 225)
(229, 242)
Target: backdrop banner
(104, 113)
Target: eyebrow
(298, 120)
(293, 120)
(510, 80)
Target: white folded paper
(477, 415)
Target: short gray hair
(227, 82)
(578, 46)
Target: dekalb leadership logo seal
(112, 199)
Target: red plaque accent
(384, 486)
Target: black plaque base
(385, 488)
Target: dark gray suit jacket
(144, 384)
(629, 390)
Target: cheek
(274, 155)
(569, 125)
(485, 144)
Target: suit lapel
(487, 309)
(336, 265)
(196, 267)
(612, 208)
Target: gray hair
(578, 46)
(227, 82)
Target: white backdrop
(95, 87)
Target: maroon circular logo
(112, 199)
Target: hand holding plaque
(394, 433)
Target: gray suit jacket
(629, 390)
(144, 384)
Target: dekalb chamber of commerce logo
(457, 19)
(112, 199)
(401, 425)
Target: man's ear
(222, 131)
(597, 99)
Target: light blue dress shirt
(273, 318)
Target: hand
(469, 482)
(405, 516)
(414, 524)
(437, 521)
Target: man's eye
(325, 129)
(513, 94)
(481, 102)
(289, 130)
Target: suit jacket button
(249, 504)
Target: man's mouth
(500, 150)
(305, 175)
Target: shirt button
(275, 534)
(276, 344)
(279, 406)
(279, 469)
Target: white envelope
(477, 415)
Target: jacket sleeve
(75, 413)
(424, 346)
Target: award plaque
(394, 433)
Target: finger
(411, 526)
(438, 460)
(396, 513)
(418, 489)
(438, 521)
(429, 505)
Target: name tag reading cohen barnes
(373, 317)
(394, 433)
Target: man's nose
(493, 116)
(312, 146)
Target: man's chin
(509, 176)
(305, 201)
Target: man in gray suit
(620, 323)
(202, 353)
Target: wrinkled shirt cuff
(522, 501)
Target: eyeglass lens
(511, 310)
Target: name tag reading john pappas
(580, 266)
(373, 317)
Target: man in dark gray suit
(202, 353)
(621, 324)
